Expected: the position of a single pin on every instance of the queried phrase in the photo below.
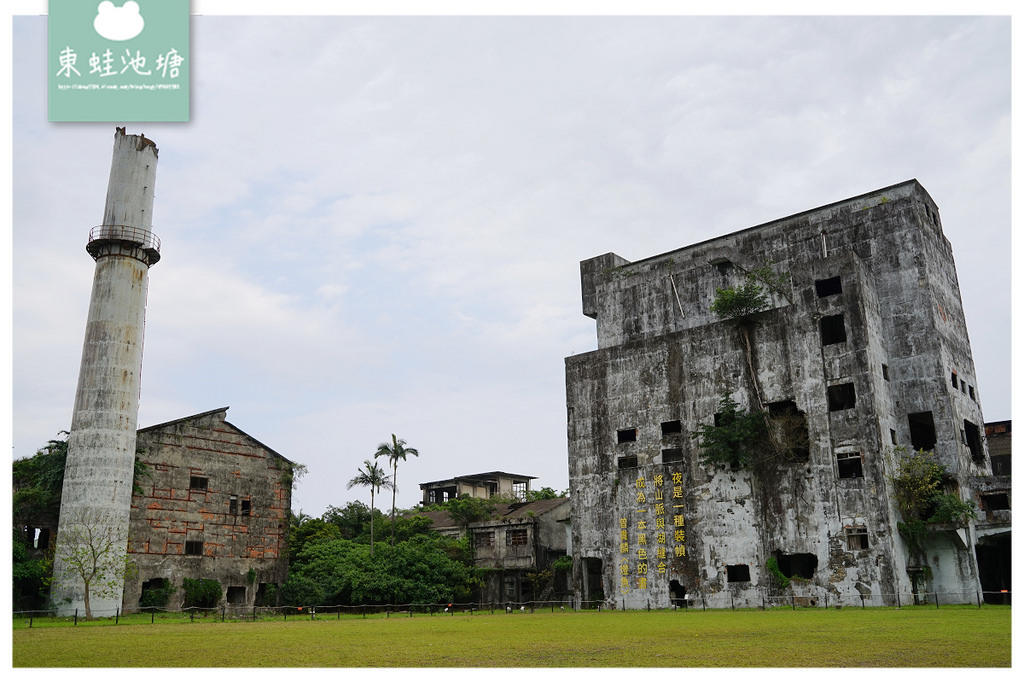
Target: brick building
(214, 505)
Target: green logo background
(92, 78)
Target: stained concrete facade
(866, 342)
(520, 540)
(213, 505)
(101, 445)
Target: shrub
(201, 592)
(157, 596)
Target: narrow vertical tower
(92, 534)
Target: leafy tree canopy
(736, 438)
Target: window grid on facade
(193, 547)
(483, 539)
(856, 538)
(515, 537)
(198, 483)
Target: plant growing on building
(772, 565)
(734, 439)
(374, 477)
(394, 451)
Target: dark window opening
(723, 265)
(233, 505)
(626, 435)
(265, 592)
(677, 593)
(828, 287)
(841, 397)
(627, 461)
(856, 538)
(851, 465)
(973, 440)
(483, 539)
(802, 565)
(246, 507)
(885, 372)
(892, 436)
(995, 501)
(515, 537)
(833, 329)
(670, 455)
(1000, 465)
(970, 392)
(198, 483)
(963, 387)
(737, 572)
(789, 427)
(922, 430)
(953, 380)
(236, 595)
(671, 427)
(193, 547)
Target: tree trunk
(394, 492)
(371, 520)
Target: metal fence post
(76, 616)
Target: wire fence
(692, 602)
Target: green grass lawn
(909, 637)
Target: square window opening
(737, 573)
(198, 483)
(922, 430)
(828, 287)
(671, 427)
(856, 538)
(851, 465)
(515, 537)
(484, 539)
(800, 565)
(995, 501)
(833, 329)
(671, 455)
(236, 595)
(627, 461)
(841, 397)
(626, 435)
(193, 547)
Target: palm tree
(394, 451)
(376, 479)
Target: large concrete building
(861, 349)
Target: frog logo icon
(118, 23)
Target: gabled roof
(208, 413)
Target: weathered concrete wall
(664, 361)
(101, 445)
(197, 465)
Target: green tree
(465, 510)
(394, 451)
(92, 550)
(309, 533)
(735, 438)
(375, 478)
(545, 493)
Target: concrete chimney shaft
(96, 499)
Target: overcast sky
(374, 225)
